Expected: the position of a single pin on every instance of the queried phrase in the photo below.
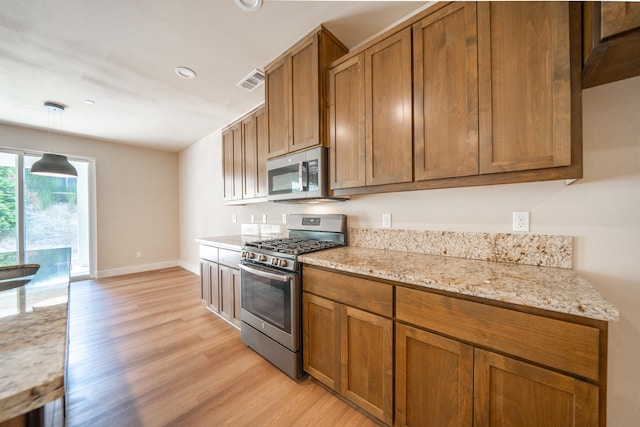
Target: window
(41, 212)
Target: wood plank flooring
(143, 351)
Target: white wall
(137, 197)
(602, 211)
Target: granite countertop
(549, 288)
(234, 242)
(33, 334)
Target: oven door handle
(267, 274)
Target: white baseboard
(195, 269)
(138, 269)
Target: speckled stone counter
(548, 288)
(33, 334)
(227, 242)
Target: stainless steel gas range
(271, 287)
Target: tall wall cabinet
(370, 115)
(296, 93)
(496, 99)
(244, 145)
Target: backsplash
(531, 249)
(263, 230)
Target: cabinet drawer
(229, 258)
(365, 294)
(209, 253)
(555, 343)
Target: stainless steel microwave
(299, 176)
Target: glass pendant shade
(54, 165)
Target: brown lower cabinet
(229, 285)
(457, 363)
(220, 282)
(440, 381)
(434, 379)
(509, 392)
(348, 348)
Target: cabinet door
(262, 141)
(347, 143)
(237, 298)
(366, 357)
(305, 101)
(524, 85)
(214, 289)
(277, 102)
(227, 282)
(445, 77)
(388, 109)
(434, 380)
(205, 277)
(236, 132)
(321, 339)
(227, 164)
(514, 393)
(250, 160)
(616, 17)
(611, 47)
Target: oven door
(271, 303)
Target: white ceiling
(122, 54)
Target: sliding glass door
(42, 212)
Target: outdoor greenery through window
(54, 211)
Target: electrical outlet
(234, 218)
(284, 219)
(386, 220)
(253, 219)
(264, 218)
(138, 254)
(521, 221)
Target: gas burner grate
(293, 246)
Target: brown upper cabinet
(347, 145)
(254, 145)
(611, 42)
(295, 93)
(232, 162)
(495, 92)
(445, 90)
(525, 103)
(371, 115)
(244, 159)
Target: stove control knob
(274, 261)
(251, 255)
(283, 263)
(262, 258)
(243, 254)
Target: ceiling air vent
(252, 80)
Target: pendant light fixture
(54, 164)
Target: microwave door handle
(279, 277)
(301, 178)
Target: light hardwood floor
(143, 351)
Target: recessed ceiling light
(185, 73)
(249, 5)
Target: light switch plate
(386, 220)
